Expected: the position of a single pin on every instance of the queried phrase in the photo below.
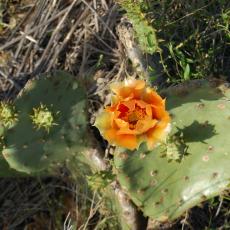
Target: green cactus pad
(30, 148)
(165, 187)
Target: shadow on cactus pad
(203, 132)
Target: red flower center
(132, 117)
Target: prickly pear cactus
(194, 165)
(51, 124)
(145, 33)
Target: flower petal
(110, 135)
(129, 89)
(144, 125)
(127, 141)
(141, 127)
(141, 103)
(130, 104)
(151, 97)
(149, 110)
(127, 130)
(121, 123)
(103, 121)
(158, 132)
(158, 112)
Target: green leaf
(187, 72)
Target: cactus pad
(168, 180)
(51, 125)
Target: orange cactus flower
(137, 114)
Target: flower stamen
(132, 117)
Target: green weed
(193, 36)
